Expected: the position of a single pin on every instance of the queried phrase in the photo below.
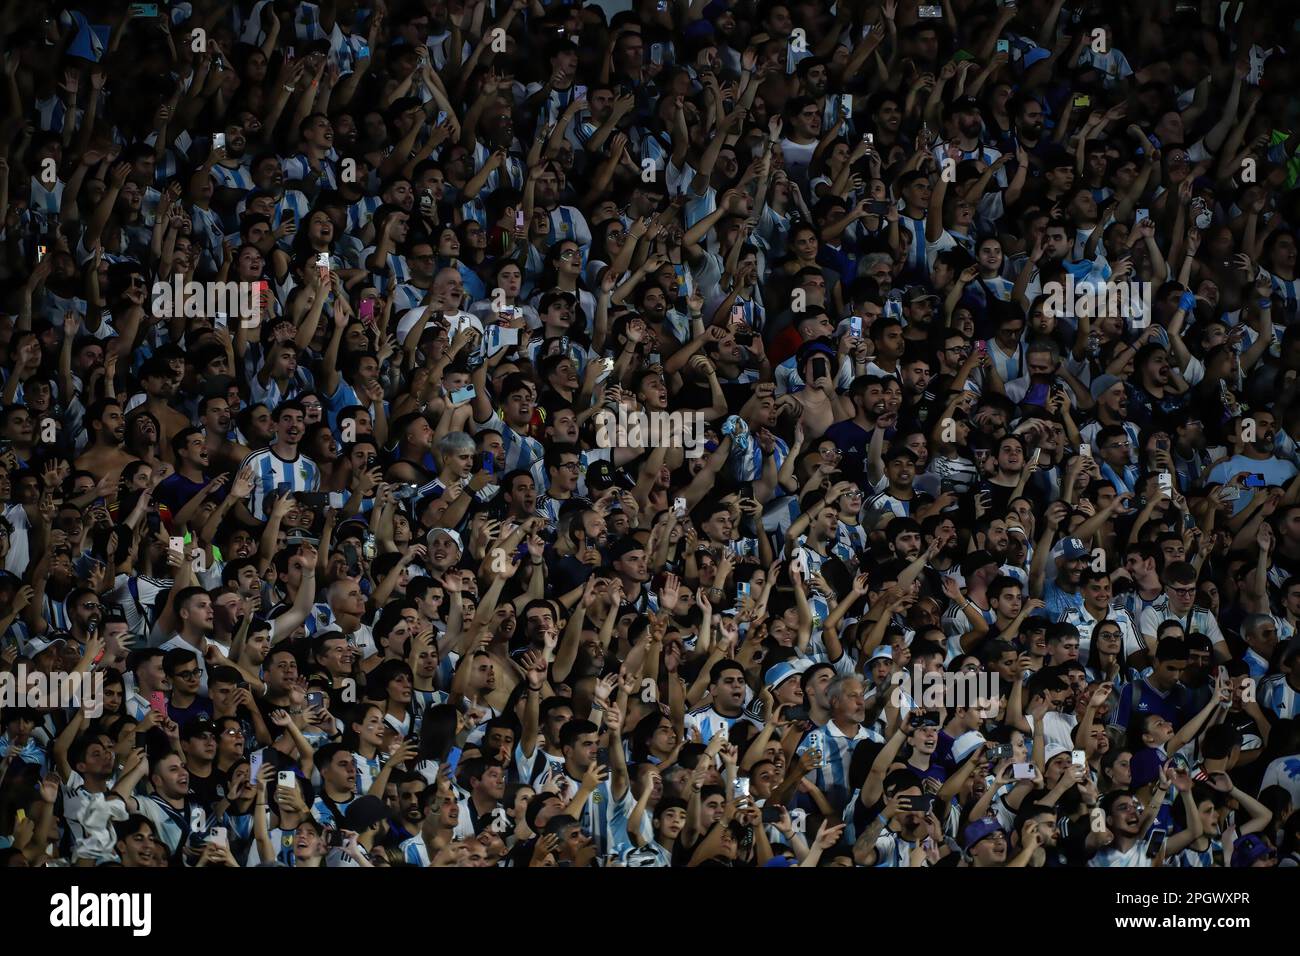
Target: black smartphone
(796, 713)
(1156, 843)
(772, 813)
(312, 499)
(916, 804)
(821, 368)
(745, 338)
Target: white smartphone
(255, 766)
(1022, 771)
(285, 779)
(218, 836)
(177, 543)
(679, 507)
(1141, 216)
(218, 140)
(323, 261)
(579, 92)
(1078, 758)
(1085, 450)
(1165, 482)
(460, 396)
(607, 368)
(724, 732)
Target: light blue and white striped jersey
(240, 177)
(270, 472)
(538, 769)
(1289, 291)
(362, 211)
(747, 464)
(605, 816)
(414, 851)
(298, 169)
(916, 252)
(706, 721)
(832, 777)
(1134, 856)
(567, 223)
(1211, 856)
(521, 451)
(1276, 695)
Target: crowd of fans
(359, 572)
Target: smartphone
(606, 369)
(142, 10)
(158, 703)
(1162, 444)
(744, 338)
(1165, 483)
(1231, 493)
(1085, 450)
(1141, 216)
(916, 804)
(738, 314)
(741, 787)
(998, 752)
(1078, 758)
(579, 92)
(821, 368)
(869, 138)
(771, 813)
(323, 262)
(1254, 480)
(285, 779)
(723, 731)
(218, 836)
(519, 218)
(218, 140)
(1023, 771)
(1156, 843)
(315, 700)
(255, 765)
(177, 543)
(742, 590)
(463, 394)
(366, 310)
(1082, 101)
(657, 52)
(1004, 46)
(855, 325)
(489, 462)
(679, 507)
(41, 252)
(930, 11)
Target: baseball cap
(963, 104)
(1101, 384)
(979, 830)
(39, 645)
(602, 475)
(918, 293)
(1054, 750)
(1069, 549)
(778, 674)
(364, 812)
(966, 744)
(455, 537)
(881, 653)
(1033, 55)
(779, 861)
(976, 560)
(1250, 848)
(198, 726)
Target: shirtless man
(105, 457)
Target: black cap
(196, 726)
(963, 104)
(976, 560)
(364, 812)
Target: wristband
(1265, 303)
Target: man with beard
(290, 205)
(853, 436)
(230, 168)
(1154, 394)
(105, 457)
(1111, 411)
(215, 419)
(160, 383)
(1060, 595)
(439, 817)
(567, 223)
(1258, 458)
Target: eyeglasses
(191, 674)
(310, 406)
(1119, 444)
(567, 254)
(1108, 635)
(232, 732)
(1190, 589)
(569, 465)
